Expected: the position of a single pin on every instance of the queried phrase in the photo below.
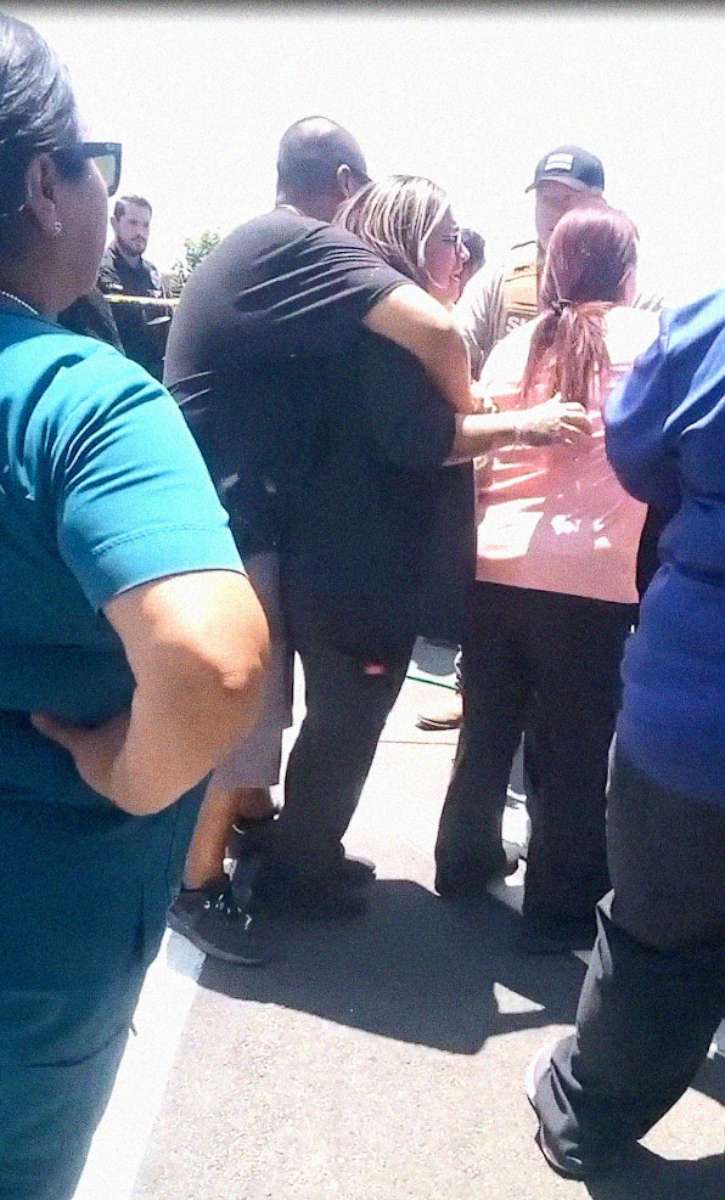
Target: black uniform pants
(654, 993)
(348, 697)
(550, 662)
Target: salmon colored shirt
(555, 518)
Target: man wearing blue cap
(507, 296)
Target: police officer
(505, 296)
(125, 272)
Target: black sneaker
(243, 833)
(327, 898)
(347, 870)
(211, 920)
(544, 935)
(469, 878)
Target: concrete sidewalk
(382, 1059)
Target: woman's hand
(554, 421)
(95, 751)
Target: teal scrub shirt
(102, 488)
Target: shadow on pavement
(710, 1081)
(646, 1176)
(413, 968)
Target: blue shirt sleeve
(665, 425)
(131, 496)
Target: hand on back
(556, 421)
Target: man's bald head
(319, 165)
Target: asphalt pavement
(381, 1058)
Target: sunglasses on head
(106, 156)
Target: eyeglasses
(454, 239)
(106, 155)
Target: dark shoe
(448, 714)
(347, 872)
(325, 898)
(468, 878)
(243, 832)
(569, 1167)
(535, 1072)
(543, 935)
(211, 920)
(241, 825)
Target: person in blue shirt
(132, 647)
(655, 989)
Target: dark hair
(121, 204)
(590, 252)
(37, 111)
(476, 247)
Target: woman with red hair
(555, 593)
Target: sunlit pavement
(379, 1059)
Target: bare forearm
(175, 736)
(412, 319)
(445, 358)
(478, 433)
(554, 421)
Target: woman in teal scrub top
(131, 645)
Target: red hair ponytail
(589, 255)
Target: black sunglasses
(106, 155)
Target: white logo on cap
(559, 162)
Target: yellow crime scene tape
(154, 301)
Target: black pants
(654, 993)
(550, 662)
(348, 695)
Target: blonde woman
(353, 563)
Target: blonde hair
(395, 217)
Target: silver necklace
(290, 208)
(23, 303)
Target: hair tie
(559, 304)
